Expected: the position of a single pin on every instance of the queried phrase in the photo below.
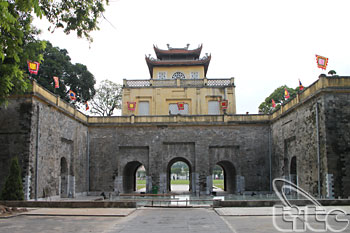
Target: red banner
(72, 95)
(301, 87)
(33, 67)
(273, 103)
(57, 83)
(286, 94)
(321, 62)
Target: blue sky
(263, 44)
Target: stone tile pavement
(100, 212)
(265, 211)
(173, 220)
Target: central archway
(129, 176)
(170, 164)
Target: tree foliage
(332, 72)
(278, 96)
(18, 44)
(13, 188)
(18, 41)
(71, 76)
(107, 99)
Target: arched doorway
(229, 176)
(64, 177)
(293, 170)
(185, 175)
(218, 178)
(130, 176)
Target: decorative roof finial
(187, 45)
(168, 46)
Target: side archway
(229, 171)
(129, 176)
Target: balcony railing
(178, 83)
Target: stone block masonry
(63, 153)
(51, 148)
(116, 153)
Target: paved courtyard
(144, 220)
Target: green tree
(332, 72)
(176, 170)
(107, 99)
(278, 96)
(18, 44)
(13, 189)
(18, 41)
(218, 171)
(72, 76)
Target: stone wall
(60, 136)
(242, 148)
(15, 138)
(77, 153)
(337, 126)
(62, 145)
(295, 134)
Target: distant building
(178, 85)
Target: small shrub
(13, 188)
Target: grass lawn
(184, 182)
(217, 183)
(140, 184)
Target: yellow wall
(186, 70)
(160, 97)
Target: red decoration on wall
(224, 104)
(181, 105)
(131, 106)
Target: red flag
(301, 87)
(33, 67)
(273, 103)
(321, 62)
(86, 106)
(286, 94)
(72, 95)
(57, 83)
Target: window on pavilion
(179, 75)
